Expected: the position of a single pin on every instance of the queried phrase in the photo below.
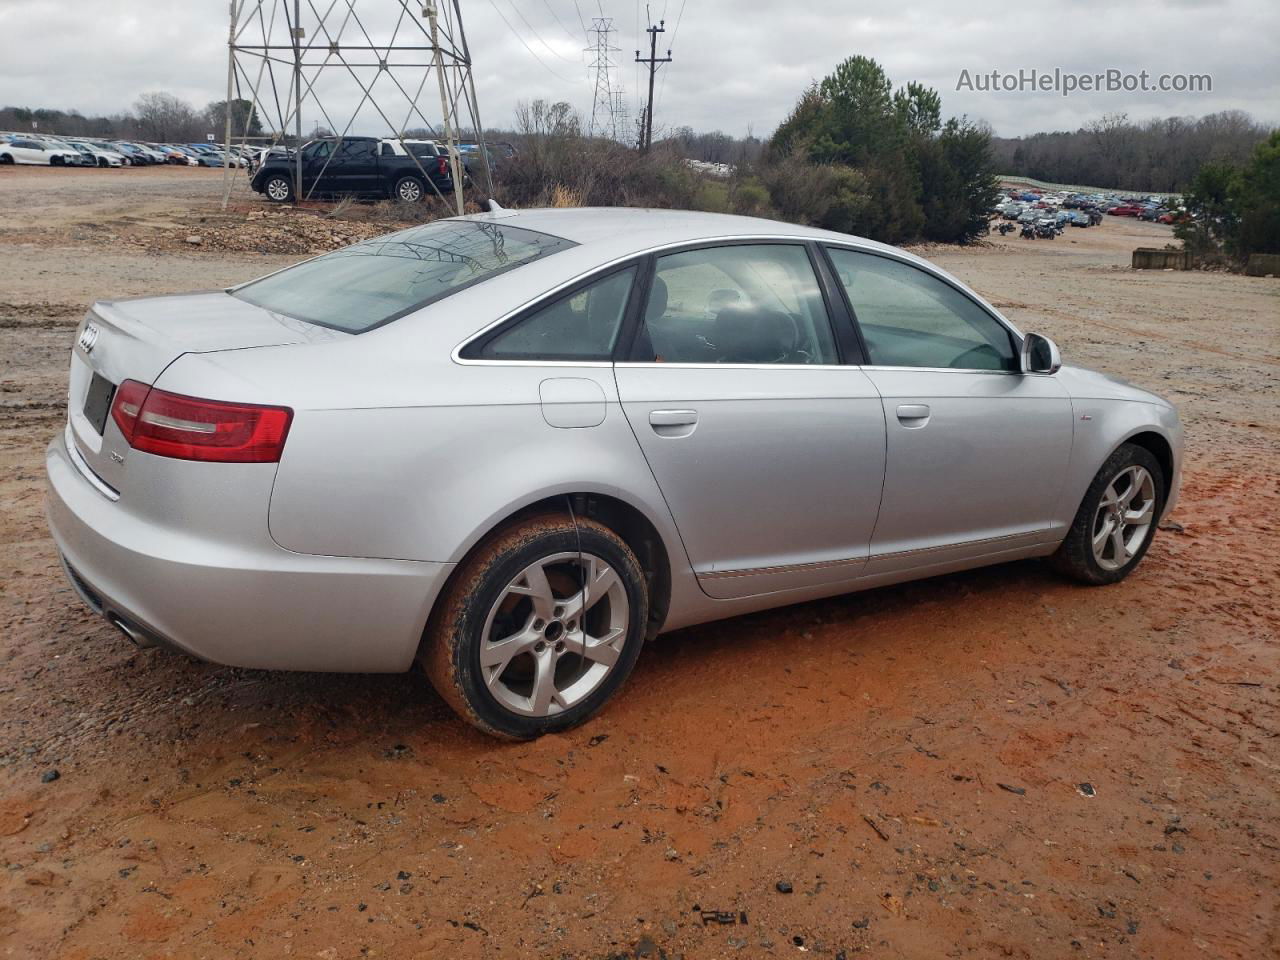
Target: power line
(674, 33)
(551, 10)
(563, 80)
(535, 33)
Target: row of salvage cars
(49, 151)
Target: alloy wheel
(278, 189)
(1124, 518)
(410, 191)
(554, 633)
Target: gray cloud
(738, 65)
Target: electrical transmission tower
(653, 60)
(608, 108)
(290, 57)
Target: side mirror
(1040, 355)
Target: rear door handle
(673, 424)
(673, 418)
(913, 414)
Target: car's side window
(910, 318)
(357, 150)
(742, 303)
(316, 151)
(582, 325)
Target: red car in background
(1125, 210)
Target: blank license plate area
(97, 402)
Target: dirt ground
(992, 764)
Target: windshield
(364, 286)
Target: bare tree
(162, 116)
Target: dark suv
(361, 167)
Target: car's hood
(1085, 384)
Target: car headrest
(657, 300)
(748, 334)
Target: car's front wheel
(1116, 520)
(539, 627)
(278, 188)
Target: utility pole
(653, 60)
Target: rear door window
(742, 303)
(582, 325)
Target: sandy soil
(912, 762)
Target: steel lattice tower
(608, 107)
(290, 56)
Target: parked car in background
(176, 155)
(358, 166)
(98, 156)
(34, 151)
(595, 400)
(71, 156)
(140, 155)
(258, 155)
(1125, 210)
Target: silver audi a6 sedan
(513, 446)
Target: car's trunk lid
(137, 339)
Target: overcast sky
(738, 65)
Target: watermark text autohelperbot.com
(1065, 82)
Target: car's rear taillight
(443, 165)
(188, 428)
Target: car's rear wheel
(539, 627)
(279, 189)
(408, 190)
(1117, 519)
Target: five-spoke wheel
(539, 626)
(1114, 525)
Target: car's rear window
(364, 286)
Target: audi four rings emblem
(88, 337)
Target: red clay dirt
(992, 764)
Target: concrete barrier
(1158, 258)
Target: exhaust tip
(134, 636)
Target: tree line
(155, 117)
(855, 155)
(1159, 156)
(1235, 207)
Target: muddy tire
(539, 626)
(1116, 521)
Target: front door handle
(673, 423)
(913, 415)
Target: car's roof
(620, 231)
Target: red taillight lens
(188, 428)
(127, 404)
(444, 166)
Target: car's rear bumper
(252, 605)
